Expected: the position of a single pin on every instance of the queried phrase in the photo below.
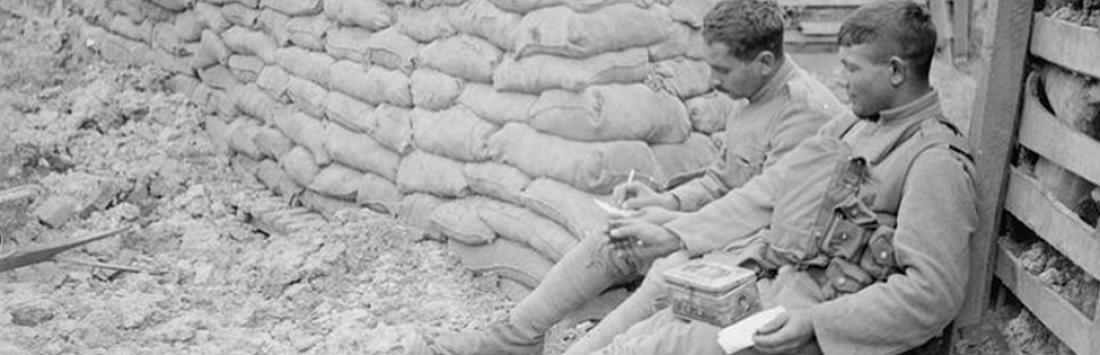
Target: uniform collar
(777, 83)
(876, 139)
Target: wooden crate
(1015, 191)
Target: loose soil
(111, 143)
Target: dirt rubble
(104, 146)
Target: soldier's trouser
(665, 333)
(580, 276)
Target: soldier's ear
(899, 70)
(767, 61)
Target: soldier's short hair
(899, 28)
(747, 27)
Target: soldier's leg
(664, 333)
(643, 303)
(580, 276)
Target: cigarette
(630, 178)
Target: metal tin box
(712, 292)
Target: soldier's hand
(650, 240)
(634, 195)
(788, 333)
(657, 215)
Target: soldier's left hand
(788, 333)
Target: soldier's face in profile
(866, 80)
(730, 75)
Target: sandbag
(593, 167)
(362, 152)
(348, 43)
(519, 224)
(251, 4)
(680, 77)
(496, 106)
(274, 80)
(139, 10)
(693, 155)
(121, 25)
(394, 128)
(254, 102)
(369, 14)
(458, 220)
(218, 77)
(305, 64)
(244, 41)
(353, 114)
(563, 32)
(245, 68)
(211, 17)
(482, 19)
(272, 143)
(326, 205)
(305, 131)
(115, 48)
(416, 210)
(539, 73)
(433, 90)
(423, 25)
(462, 56)
(612, 112)
(1074, 99)
(373, 85)
(427, 4)
(167, 37)
(211, 51)
(300, 165)
(240, 15)
(294, 7)
(308, 31)
(682, 41)
(392, 50)
(275, 25)
(242, 134)
(566, 205)
(189, 26)
(168, 62)
(499, 181)
(428, 173)
(307, 96)
(275, 178)
(337, 181)
(709, 113)
(245, 167)
(455, 133)
(175, 5)
(217, 129)
(221, 103)
(524, 6)
(378, 194)
(200, 96)
(508, 259)
(691, 13)
(182, 84)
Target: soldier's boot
(501, 339)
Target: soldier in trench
(867, 223)
(744, 48)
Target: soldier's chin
(863, 112)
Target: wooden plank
(1053, 221)
(1049, 307)
(1067, 44)
(1043, 133)
(961, 11)
(992, 129)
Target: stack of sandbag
(491, 123)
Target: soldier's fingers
(774, 325)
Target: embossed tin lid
(709, 276)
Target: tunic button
(844, 236)
(884, 255)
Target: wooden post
(992, 129)
(961, 13)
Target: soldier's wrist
(671, 201)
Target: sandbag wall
(493, 123)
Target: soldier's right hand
(635, 195)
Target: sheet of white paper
(612, 210)
(738, 336)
